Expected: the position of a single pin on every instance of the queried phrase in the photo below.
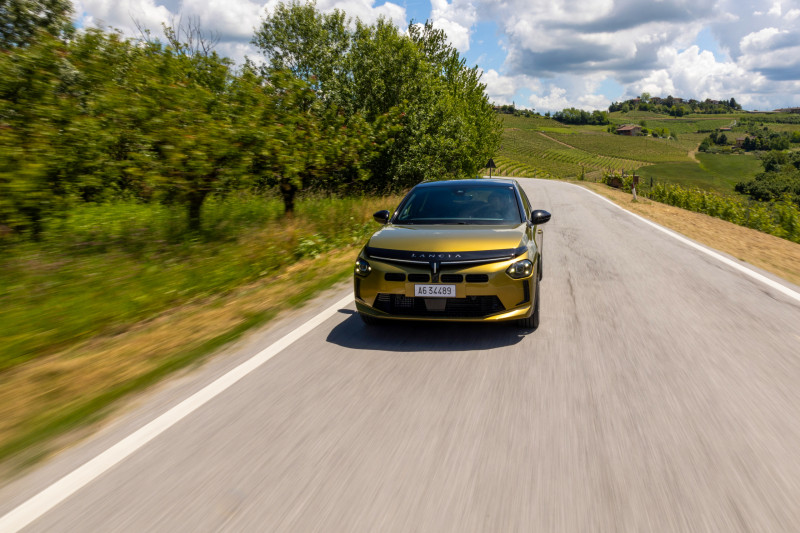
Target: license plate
(435, 291)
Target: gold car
(463, 250)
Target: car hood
(447, 238)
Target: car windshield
(460, 204)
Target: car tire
(532, 322)
(370, 320)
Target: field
(543, 147)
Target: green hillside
(542, 147)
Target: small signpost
(635, 183)
(490, 165)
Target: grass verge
(44, 400)
(117, 296)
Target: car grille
(394, 276)
(477, 278)
(472, 306)
(451, 278)
(419, 277)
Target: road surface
(661, 392)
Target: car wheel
(370, 320)
(532, 322)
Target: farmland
(542, 147)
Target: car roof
(504, 182)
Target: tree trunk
(288, 191)
(196, 200)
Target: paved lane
(660, 393)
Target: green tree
(416, 84)
(22, 20)
(312, 45)
(42, 150)
(303, 144)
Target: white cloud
(456, 18)
(232, 20)
(366, 10)
(697, 74)
(502, 89)
(775, 9)
(121, 14)
(555, 100)
(758, 41)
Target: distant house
(629, 129)
(724, 129)
(740, 141)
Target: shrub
(780, 218)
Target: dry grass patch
(50, 395)
(773, 254)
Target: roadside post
(635, 183)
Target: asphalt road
(661, 392)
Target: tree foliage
(780, 178)
(417, 84)
(339, 108)
(579, 116)
(22, 20)
(677, 107)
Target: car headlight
(520, 269)
(362, 267)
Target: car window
(460, 204)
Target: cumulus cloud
(547, 38)
(502, 89)
(456, 18)
(123, 14)
(697, 74)
(554, 100)
(571, 91)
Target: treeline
(761, 139)
(572, 115)
(511, 109)
(676, 107)
(91, 116)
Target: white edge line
(56, 493)
(733, 264)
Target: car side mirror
(539, 217)
(381, 216)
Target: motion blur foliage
(442, 122)
(339, 109)
(21, 21)
(101, 118)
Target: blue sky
(551, 54)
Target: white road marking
(56, 493)
(741, 268)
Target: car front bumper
(483, 293)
